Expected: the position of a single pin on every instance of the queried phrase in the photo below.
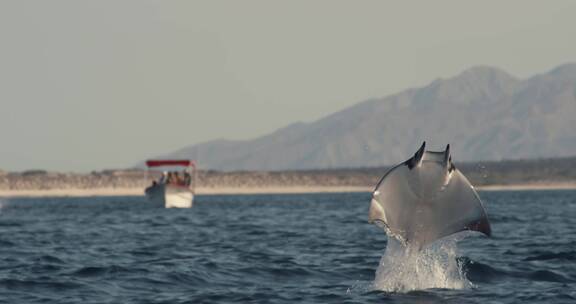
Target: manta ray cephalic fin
(417, 158)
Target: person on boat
(187, 178)
(180, 179)
(175, 178)
(163, 178)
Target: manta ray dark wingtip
(482, 226)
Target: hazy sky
(101, 84)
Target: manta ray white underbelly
(427, 198)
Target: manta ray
(425, 199)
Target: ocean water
(309, 248)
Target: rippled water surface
(312, 248)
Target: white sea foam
(404, 269)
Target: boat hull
(170, 196)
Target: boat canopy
(169, 162)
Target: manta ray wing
(459, 208)
(394, 202)
(427, 198)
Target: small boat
(173, 189)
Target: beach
(258, 190)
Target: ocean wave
(545, 256)
(480, 272)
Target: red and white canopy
(170, 162)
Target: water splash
(403, 268)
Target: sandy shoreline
(254, 190)
(543, 186)
(200, 191)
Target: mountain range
(484, 113)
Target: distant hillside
(484, 113)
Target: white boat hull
(170, 196)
